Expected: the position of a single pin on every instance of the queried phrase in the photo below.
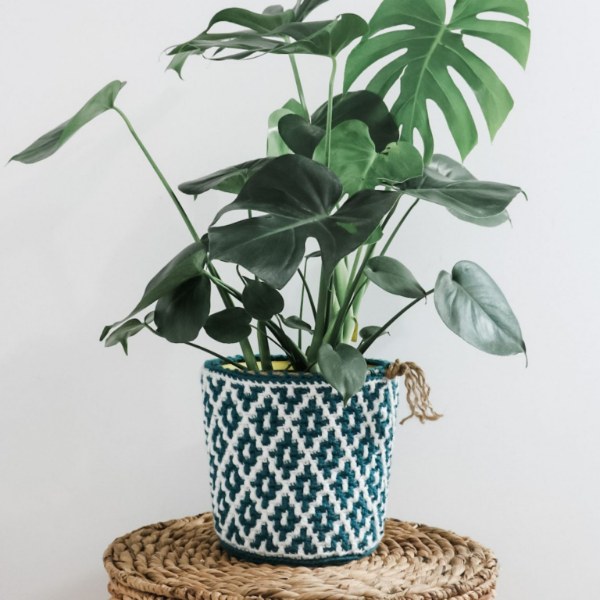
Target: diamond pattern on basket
(295, 474)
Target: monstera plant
(347, 174)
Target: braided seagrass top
(183, 559)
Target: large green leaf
(270, 33)
(231, 179)
(180, 314)
(448, 183)
(299, 135)
(363, 106)
(50, 142)
(432, 45)
(355, 160)
(393, 277)
(298, 196)
(344, 368)
(471, 305)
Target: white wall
(93, 444)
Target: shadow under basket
(297, 477)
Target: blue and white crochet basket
(296, 476)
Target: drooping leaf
(323, 38)
(229, 326)
(181, 314)
(393, 277)
(122, 333)
(448, 183)
(297, 323)
(300, 136)
(261, 300)
(493, 221)
(188, 264)
(264, 22)
(432, 45)
(359, 166)
(231, 179)
(298, 196)
(471, 305)
(344, 368)
(50, 142)
(362, 106)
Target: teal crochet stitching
(296, 476)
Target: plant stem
(305, 286)
(299, 84)
(160, 175)
(321, 321)
(366, 344)
(330, 112)
(215, 354)
(360, 295)
(228, 302)
(397, 228)
(263, 347)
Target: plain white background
(94, 444)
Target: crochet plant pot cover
(296, 476)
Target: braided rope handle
(417, 390)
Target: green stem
(263, 347)
(330, 112)
(359, 297)
(397, 228)
(160, 175)
(228, 302)
(321, 322)
(366, 344)
(306, 287)
(299, 86)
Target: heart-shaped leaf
(298, 196)
(231, 179)
(229, 326)
(433, 45)
(50, 142)
(447, 183)
(181, 314)
(393, 277)
(261, 300)
(122, 334)
(471, 305)
(344, 368)
(297, 323)
(359, 166)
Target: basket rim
(377, 369)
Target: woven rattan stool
(183, 559)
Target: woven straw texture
(183, 559)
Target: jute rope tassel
(417, 390)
